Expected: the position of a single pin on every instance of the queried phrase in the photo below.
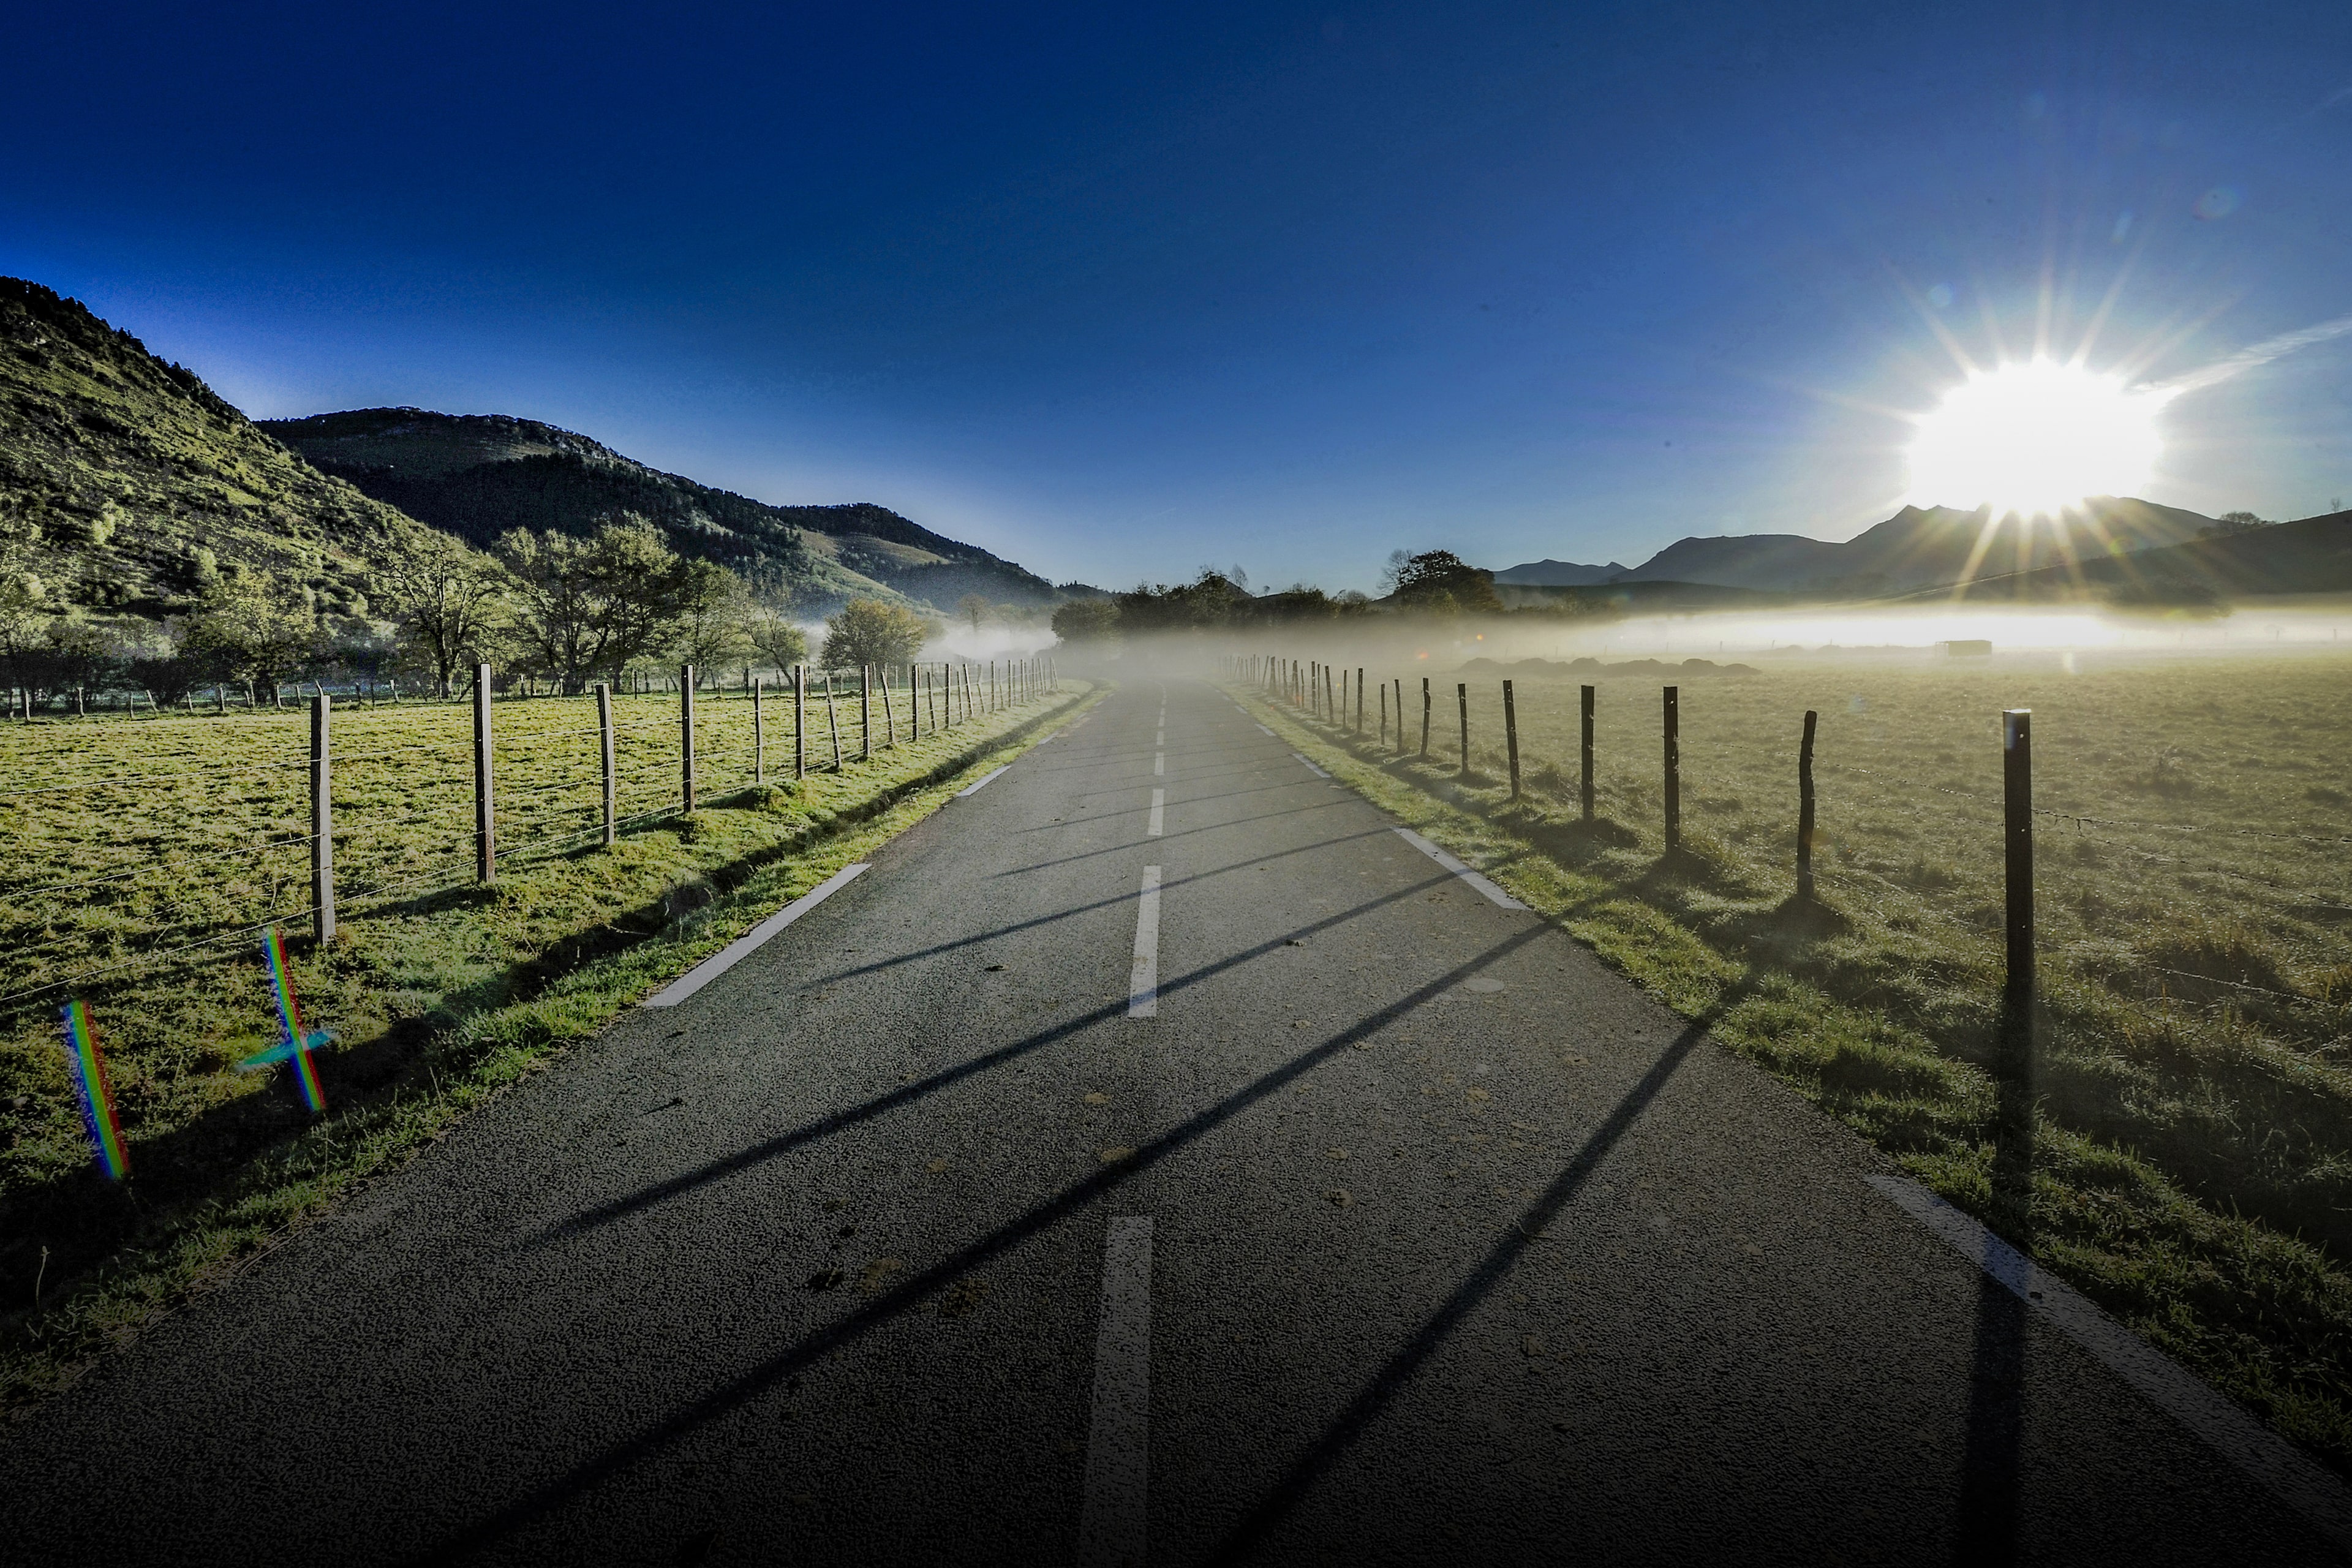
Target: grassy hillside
(142, 481)
(480, 475)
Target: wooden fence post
(605, 749)
(686, 733)
(2017, 844)
(1329, 717)
(864, 712)
(486, 844)
(323, 829)
(1805, 810)
(1511, 736)
(800, 721)
(831, 722)
(759, 732)
(1462, 701)
(1384, 715)
(1586, 703)
(1400, 697)
(1424, 717)
(1359, 701)
(889, 715)
(1673, 769)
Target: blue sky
(1120, 291)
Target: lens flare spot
(2035, 438)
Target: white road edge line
(2236, 1437)
(1495, 894)
(981, 782)
(1143, 980)
(735, 951)
(1261, 729)
(1111, 1520)
(1311, 768)
(1158, 807)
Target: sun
(2036, 438)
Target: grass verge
(441, 1004)
(1883, 1034)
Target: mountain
(478, 475)
(2310, 556)
(142, 482)
(1918, 548)
(1557, 575)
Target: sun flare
(2035, 438)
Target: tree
(868, 631)
(714, 607)
(253, 628)
(776, 637)
(1086, 620)
(1441, 583)
(972, 607)
(2231, 522)
(591, 606)
(448, 604)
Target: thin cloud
(2254, 355)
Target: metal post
(1805, 810)
(486, 844)
(1511, 736)
(604, 746)
(1673, 769)
(1586, 704)
(323, 829)
(686, 733)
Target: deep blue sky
(1121, 290)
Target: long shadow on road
(907, 1094)
(720, 1400)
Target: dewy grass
(2193, 1096)
(440, 997)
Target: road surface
(1152, 1156)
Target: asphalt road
(1358, 1220)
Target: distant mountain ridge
(2311, 555)
(1547, 573)
(478, 475)
(1916, 548)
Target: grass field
(2192, 1089)
(143, 854)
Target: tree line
(560, 609)
(1432, 581)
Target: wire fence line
(145, 863)
(1633, 763)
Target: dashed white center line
(1143, 981)
(1158, 805)
(1158, 764)
(1119, 1440)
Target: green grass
(2193, 1096)
(441, 992)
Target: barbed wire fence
(1430, 720)
(160, 863)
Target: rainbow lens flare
(96, 1092)
(297, 1046)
